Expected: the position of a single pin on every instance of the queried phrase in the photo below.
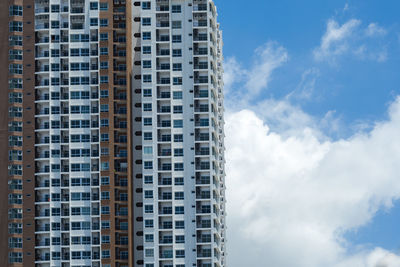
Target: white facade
(182, 125)
(67, 193)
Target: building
(112, 128)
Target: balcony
(203, 195)
(42, 228)
(204, 253)
(200, 23)
(164, 95)
(204, 239)
(163, 24)
(166, 254)
(204, 224)
(163, 38)
(200, 7)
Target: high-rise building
(111, 123)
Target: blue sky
(298, 26)
(331, 69)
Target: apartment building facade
(112, 126)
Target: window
(148, 150)
(103, 51)
(105, 224)
(146, 36)
(179, 224)
(147, 78)
(14, 257)
(147, 121)
(15, 26)
(176, 38)
(103, 79)
(103, 6)
(146, 5)
(105, 254)
(15, 40)
(15, 55)
(94, 6)
(148, 165)
(176, 9)
(149, 238)
(15, 68)
(104, 65)
(149, 252)
(104, 122)
(94, 22)
(179, 181)
(146, 64)
(177, 80)
(147, 107)
(104, 151)
(146, 21)
(105, 195)
(15, 11)
(148, 209)
(105, 239)
(15, 242)
(177, 94)
(148, 194)
(177, 67)
(105, 210)
(104, 107)
(148, 136)
(103, 36)
(15, 126)
(105, 180)
(180, 239)
(148, 179)
(148, 223)
(15, 169)
(104, 94)
(178, 166)
(15, 184)
(103, 22)
(176, 24)
(55, 24)
(178, 123)
(178, 138)
(179, 196)
(146, 50)
(180, 253)
(147, 93)
(176, 52)
(105, 166)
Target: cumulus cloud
(291, 198)
(293, 193)
(350, 38)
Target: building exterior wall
(182, 126)
(112, 134)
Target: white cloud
(351, 38)
(232, 73)
(268, 58)
(305, 89)
(374, 30)
(334, 41)
(292, 192)
(291, 198)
